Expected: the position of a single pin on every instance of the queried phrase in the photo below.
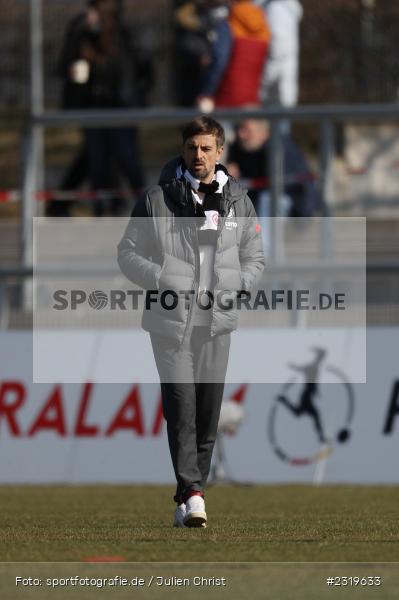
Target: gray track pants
(192, 382)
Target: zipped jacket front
(159, 252)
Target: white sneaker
(180, 513)
(195, 512)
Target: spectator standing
(280, 75)
(251, 36)
(220, 46)
(102, 69)
(202, 49)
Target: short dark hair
(206, 126)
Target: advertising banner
(317, 428)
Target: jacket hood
(248, 20)
(168, 171)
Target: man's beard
(200, 174)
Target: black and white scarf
(213, 191)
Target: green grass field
(269, 542)
(259, 523)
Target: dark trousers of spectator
(74, 177)
(192, 383)
(119, 144)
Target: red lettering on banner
(123, 420)
(158, 420)
(81, 428)
(12, 396)
(51, 416)
(239, 395)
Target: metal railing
(19, 275)
(324, 117)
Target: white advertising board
(293, 431)
(121, 356)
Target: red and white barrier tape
(11, 196)
(14, 196)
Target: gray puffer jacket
(159, 251)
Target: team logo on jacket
(322, 414)
(211, 220)
(230, 224)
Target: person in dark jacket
(202, 50)
(195, 232)
(101, 68)
(248, 159)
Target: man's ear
(220, 151)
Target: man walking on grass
(192, 239)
